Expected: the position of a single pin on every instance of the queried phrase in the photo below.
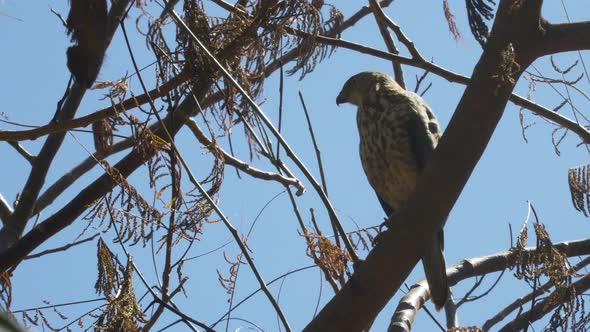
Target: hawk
(398, 133)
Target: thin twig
(239, 164)
(519, 302)
(475, 286)
(389, 43)
(419, 80)
(23, 152)
(258, 290)
(318, 154)
(398, 31)
(62, 248)
(51, 306)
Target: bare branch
(239, 164)
(62, 248)
(405, 313)
(124, 106)
(23, 152)
(5, 209)
(69, 177)
(380, 18)
(565, 37)
(16, 223)
(397, 30)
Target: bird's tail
(435, 270)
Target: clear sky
(510, 173)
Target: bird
(398, 133)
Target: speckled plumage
(398, 133)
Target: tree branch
(124, 106)
(380, 18)
(518, 303)
(23, 152)
(544, 307)
(458, 78)
(75, 207)
(16, 223)
(5, 209)
(62, 248)
(239, 164)
(405, 313)
(565, 37)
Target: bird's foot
(380, 230)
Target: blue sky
(510, 173)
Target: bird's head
(362, 84)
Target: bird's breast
(386, 154)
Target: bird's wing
(424, 134)
(423, 131)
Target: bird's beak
(340, 99)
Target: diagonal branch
(59, 186)
(101, 186)
(5, 209)
(518, 303)
(62, 248)
(382, 17)
(544, 307)
(83, 121)
(16, 223)
(23, 152)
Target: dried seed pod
(103, 136)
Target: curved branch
(380, 18)
(239, 164)
(405, 313)
(64, 182)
